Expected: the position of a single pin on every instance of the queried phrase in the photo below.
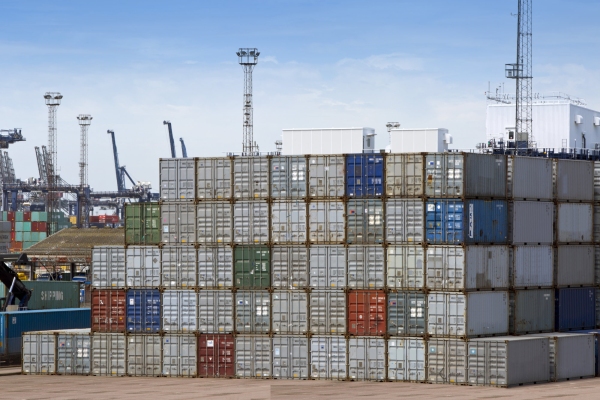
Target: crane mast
(118, 172)
(183, 149)
(171, 140)
(248, 58)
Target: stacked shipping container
(26, 228)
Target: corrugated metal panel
(574, 223)
(531, 222)
(405, 267)
(532, 266)
(179, 311)
(142, 223)
(406, 313)
(364, 175)
(216, 356)
(73, 352)
(365, 221)
(108, 267)
(531, 311)
(596, 226)
(213, 178)
(289, 267)
(328, 357)
(215, 311)
(366, 312)
(178, 223)
(366, 267)
(39, 353)
(288, 222)
(143, 311)
(571, 355)
(467, 315)
(250, 177)
(326, 222)
(530, 178)
(326, 177)
(290, 357)
(215, 267)
(574, 180)
(253, 356)
(575, 266)
(595, 333)
(49, 295)
(404, 220)
(596, 180)
(288, 177)
(251, 222)
(108, 310)
(327, 267)
(404, 175)
(144, 355)
(108, 354)
(179, 356)
(178, 267)
(328, 312)
(215, 223)
(252, 311)
(447, 361)
(575, 309)
(290, 312)
(177, 179)
(252, 267)
(366, 359)
(406, 359)
(143, 266)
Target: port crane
(171, 140)
(183, 149)
(10, 136)
(16, 288)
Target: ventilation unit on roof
(578, 119)
(597, 121)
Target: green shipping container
(252, 267)
(18, 226)
(26, 226)
(18, 236)
(39, 216)
(27, 245)
(35, 237)
(19, 216)
(4, 215)
(53, 294)
(142, 223)
(27, 237)
(42, 236)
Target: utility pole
(53, 100)
(83, 219)
(248, 58)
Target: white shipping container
(143, 267)
(289, 267)
(326, 176)
(404, 175)
(108, 354)
(179, 311)
(253, 356)
(328, 357)
(179, 267)
(252, 311)
(180, 355)
(575, 266)
(405, 267)
(328, 312)
(213, 178)
(108, 267)
(405, 221)
(529, 178)
(39, 353)
(178, 223)
(327, 267)
(177, 179)
(571, 355)
(144, 355)
(406, 359)
(290, 312)
(532, 266)
(288, 177)
(250, 177)
(364, 221)
(215, 311)
(215, 223)
(215, 267)
(73, 352)
(447, 361)
(574, 223)
(326, 222)
(290, 357)
(328, 140)
(467, 315)
(366, 267)
(366, 359)
(251, 222)
(531, 222)
(574, 180)
(288, 222)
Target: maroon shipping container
(108, 219)
(13, 236)
(366, 312)
(27, 216)
(42, 226)
(94, 218)
(108, 310)
(12, 226)
(11, 216)
(216, 356)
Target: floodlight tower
(248, 58)
(52, 101)
(84, 207)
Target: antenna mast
(84, 212)
(248, 58)
(52, 101)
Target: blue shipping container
(14, 323)
(471, 221)
(575, 309)
(596, 333)
(364, 175)
(143, 310)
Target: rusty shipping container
(216, 356)
(367, 312)
(109, 309)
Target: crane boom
(118, 172)
(183, 149)
(171, 140)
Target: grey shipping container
(531, 222)
(574, 180)
(215, 311)
(178, 179)
(290, 312)
(571, 355)
(326, 177)
(143, 267)
(447, 361)
(364, 221)
(405, 221)
(574, 223)
(532, 266)
(366, 265)
(290, 357)
(530, 178)
(215, 267)
(179, 311)
(404, 175)
(178, 223)
(456, 268)
(326, 222)
(405, 267)
(215, 223)
(250, 177)
(575, 266)
(596, 226)
(252, 311)
(288, 222)
(289, 267)
(406, 313)
(508, 361)
(406, 359)
(179, 267)
(596, 180)
(179, 356)
(253, 356)
(328, 312)
(251, 222)
(144, 355)
(328, 357)
(73, 352)
(213, 178)
(366, 359)
(531, 311)
(39, 353)
(108, 354)
(288, 177)
(327, 267)
(108, 267)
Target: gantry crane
(171, 140)
(183, 149)
(10, 136)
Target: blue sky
(132, 64)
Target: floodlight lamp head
(53, 98)
(84, 119)
(248, 56)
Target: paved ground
(92, 387)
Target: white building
(328, 141)
(419, 140)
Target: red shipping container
(16, 247)
(27, 216)
(42, 226)
(11, 216)
(94, 218)
(366, 312)
(13, 236)
(216, 356)
(108, 310)
(12, 226)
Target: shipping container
(404, 219)
(215, 267)
(595, 333)
(575, 266)
(571, 355)
(251, 222)
(406, 314)
(327, 267)
(406, 359)
(215, 223)
(143, 311)
(142, 223)
(288, 222)
(328, 312)
(367, 312)
(575, 309)
(179, 267)
(215, 311)
(455, 268)
(326, 222)
(290, 312)
(574, 180)
(471, 221)
(364, 221)
(405, 267)
(142, 267)
(532, 267)
(467, 315)
(529, 178)
(289, 266)
(326, 177)
(179, 311)
(574, 223)
(328, 358)
(288, 177)
(596, 180)
(144, 355)
(213, 178)
(596, 223)
(404, 175)
(73, 352)
(463, 175)
(290, 357)
(250, 177)
(531, 222)
(366, 359)
(48, 295)
(252, 311)
(108, 267)
(109, 309)
(366, 267)
(178, 223)
(447, 361)
(253, 356)
(531, 311)
(177, 179)
(252, 267)
(179, 356)
(109, 354)
(39, 353)
(216, 356)
(364, 175)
